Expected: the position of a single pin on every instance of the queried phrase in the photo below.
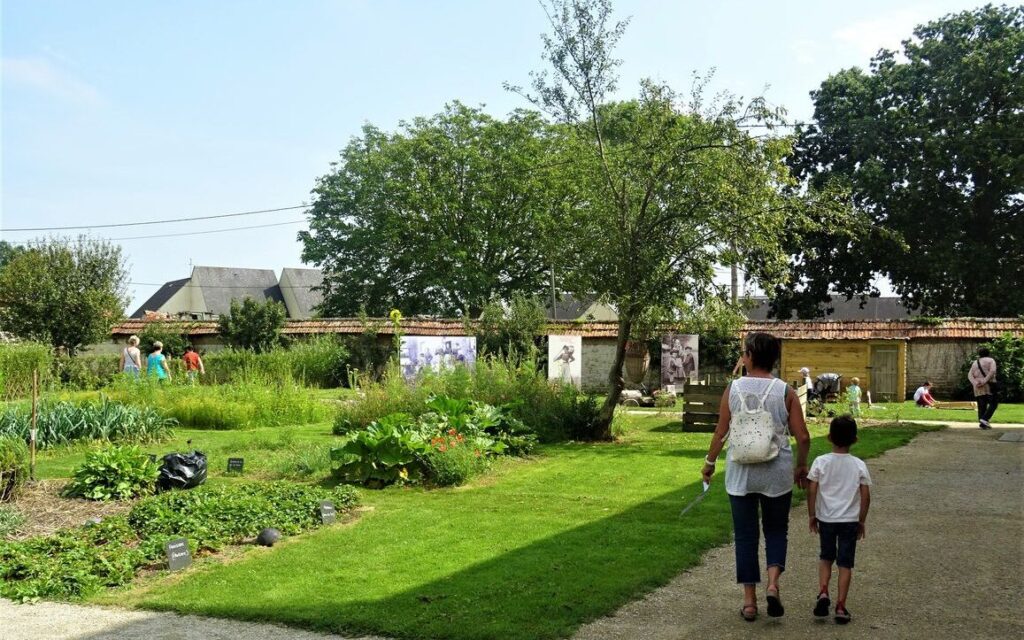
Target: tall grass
(64, 422)
(551, 410)
(259, 401)
(17, 362)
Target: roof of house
(301, 283)
(880, 308)
(955, 328)
(160, 297)
(963, 328)
(220, 285)
(568, 307)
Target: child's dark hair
(843, 431)
(189, 347)
(764, 350)
(983, 352)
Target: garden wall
(938, 361)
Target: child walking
(838, 499)
(853, 393)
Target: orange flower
(452, 432)
(442, 448)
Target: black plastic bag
(182, 470)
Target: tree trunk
(603, 427)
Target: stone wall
(938, 361)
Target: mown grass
(1013, 413)
(532, 550)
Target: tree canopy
(66, 293)
(439, 217)
(253, 326)
(669, 188)
(929, 143)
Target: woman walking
(765, 485)
(156, 363)
(131, 358)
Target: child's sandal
(749, 612)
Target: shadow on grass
(545, 589)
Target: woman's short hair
(763, 349)
(983, 352)
(133, 340)
(157, 345)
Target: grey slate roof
(162, 295)
(881, 308)
(222, 284)
(300, 283)
(568, 308)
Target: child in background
(193, 364)
(838, 499)
(923, 396)
(853, 393)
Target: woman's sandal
(775, 608)
(749, 612)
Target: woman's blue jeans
(774, 521)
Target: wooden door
(885, 373)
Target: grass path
(533, 550)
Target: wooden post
(32, 433)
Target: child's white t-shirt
(839, 476)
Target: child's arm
(812, 498)
(865, 504)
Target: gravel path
(53, 621)
(952, 501)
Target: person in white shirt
(838, 499)
(923, 396)
(982, 376)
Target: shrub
(17, 362)
(254, 326)
(85, 373)
(320, 361)
(13, 466)
(10, 521)
(114, 473)
(552, 411)
(74, 563)
(65, 422)
(174, 337)
(452, 463)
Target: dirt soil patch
(46, 511)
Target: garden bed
(46, 511)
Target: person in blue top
(156, 363)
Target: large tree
(67, 293)
(669, 190)
(930, 144)
(8, 251)
(440, 217)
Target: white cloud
(884, 31)
(43, 75)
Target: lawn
(531, 550)
(269, 452)
(910, 411)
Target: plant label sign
(327, 512)
(235, 464)
(178, 556)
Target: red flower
(452, 432)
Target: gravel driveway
(943, 558)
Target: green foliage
(254, 326)
(259, 401)
(63, 422)
(64, 293)
(13, 466)
(455, 464)
(85, 373)
(510, 329)
(928, 141)
(668, 190)
(8, 252)
(718, 324)
(78, 562)
(172, 335)
(17, 362)
(114, 473)
(1008, 352)
(439, 217)
(552, 411)
(320, 361)
(386, 451)
(213, 516)
(10, 521)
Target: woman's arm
(798, 428)
(120, 364)
(167, 367)
(718, 439)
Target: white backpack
(752, 430)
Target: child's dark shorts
(838, 542)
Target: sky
(127, 111)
